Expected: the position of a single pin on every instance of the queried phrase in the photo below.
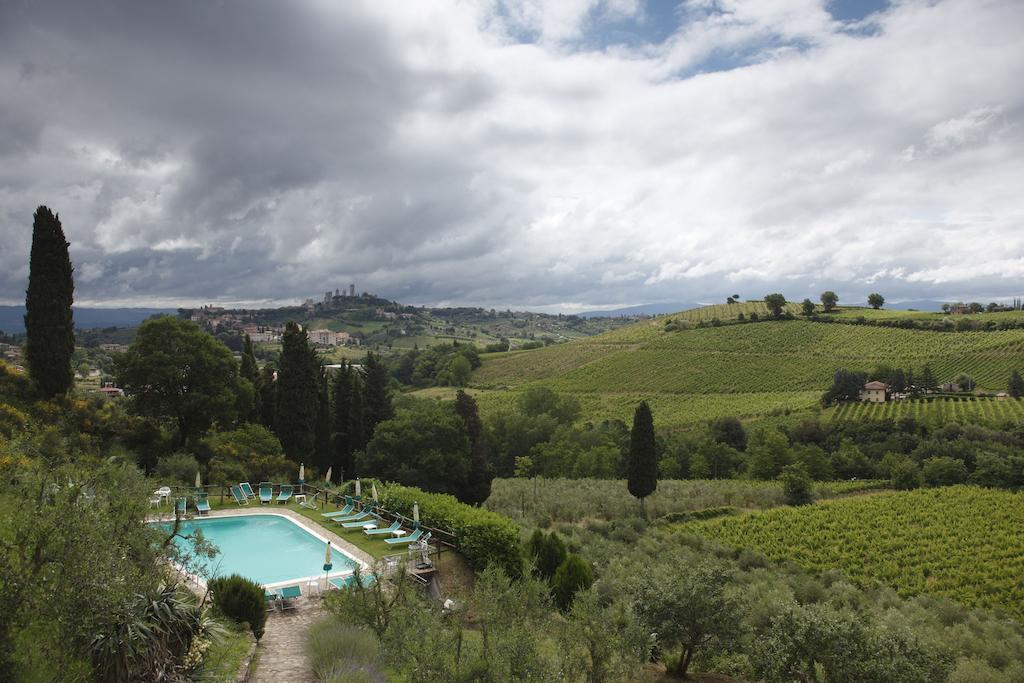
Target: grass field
(962, 543)
(539, 500)
(748, 370)
(936, 411)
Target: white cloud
(428, 153)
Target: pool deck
(309, 525)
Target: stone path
(282, 654)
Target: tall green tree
(1016, 387)
(323, 422)
(49, 324)
(175, 370)
(250, 371)
(642, 469)
(775, 303)
(297, 389)
(876, 300)
(829, 299)
(478, 483)
(376, 398)
(688, 607)
(268, 396)
(356, 420)
(341, 411)
(807, 307)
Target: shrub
(943, 471)
(573, 575)
(906, 476)
(240, 599)
(484, 537)
(547, 552)
(796, 485)
(338, 651)
(179, 468)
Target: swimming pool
(267, 548)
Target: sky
(516, 153)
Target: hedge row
(485, 537)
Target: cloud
(512, 153)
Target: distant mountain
(642, 309)
(12, 318)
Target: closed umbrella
(328, 566)
(302, 476)
(416, 514)
(327, 479)
(373, 491)
(359, 489)
(199, 481)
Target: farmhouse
(874, 392)
(327, 337)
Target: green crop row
(934, 411)
(962, 542)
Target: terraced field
(937, 411)
(961, 542)
(748, 370)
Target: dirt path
(282, 655)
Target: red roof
(876, 385)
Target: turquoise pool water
(265, 548)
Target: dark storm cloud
(240, 151)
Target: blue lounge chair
(181, 507)
(343, 512)
(266, 492)
(357, 523)
(202, 504)
(285, 494)
(236, 493)
(288, 596)
(414, 536)
(349, 581)
(271, 599)
(395, 526)
(365, 514)
(246, 489)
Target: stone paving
(282, 655)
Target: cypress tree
(323, 422)
(268, 398)
(49, 325)
(251, 373)
(341, 408)
(376, 401)
(1016, 388)
(478, 481)
(642, 469)
(356, 436)
(297, 389)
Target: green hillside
(750, 370)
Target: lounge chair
(365, 514)
(309, 504)
(343, 512)
(414, 536)
(395, 526)
(289, 594)
(357, 523)
(285, 494)
(202, 504)
(181, 507)
(266, 492)
(246, 489)
(271, 599)
(236, 493)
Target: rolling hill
(750, 370)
